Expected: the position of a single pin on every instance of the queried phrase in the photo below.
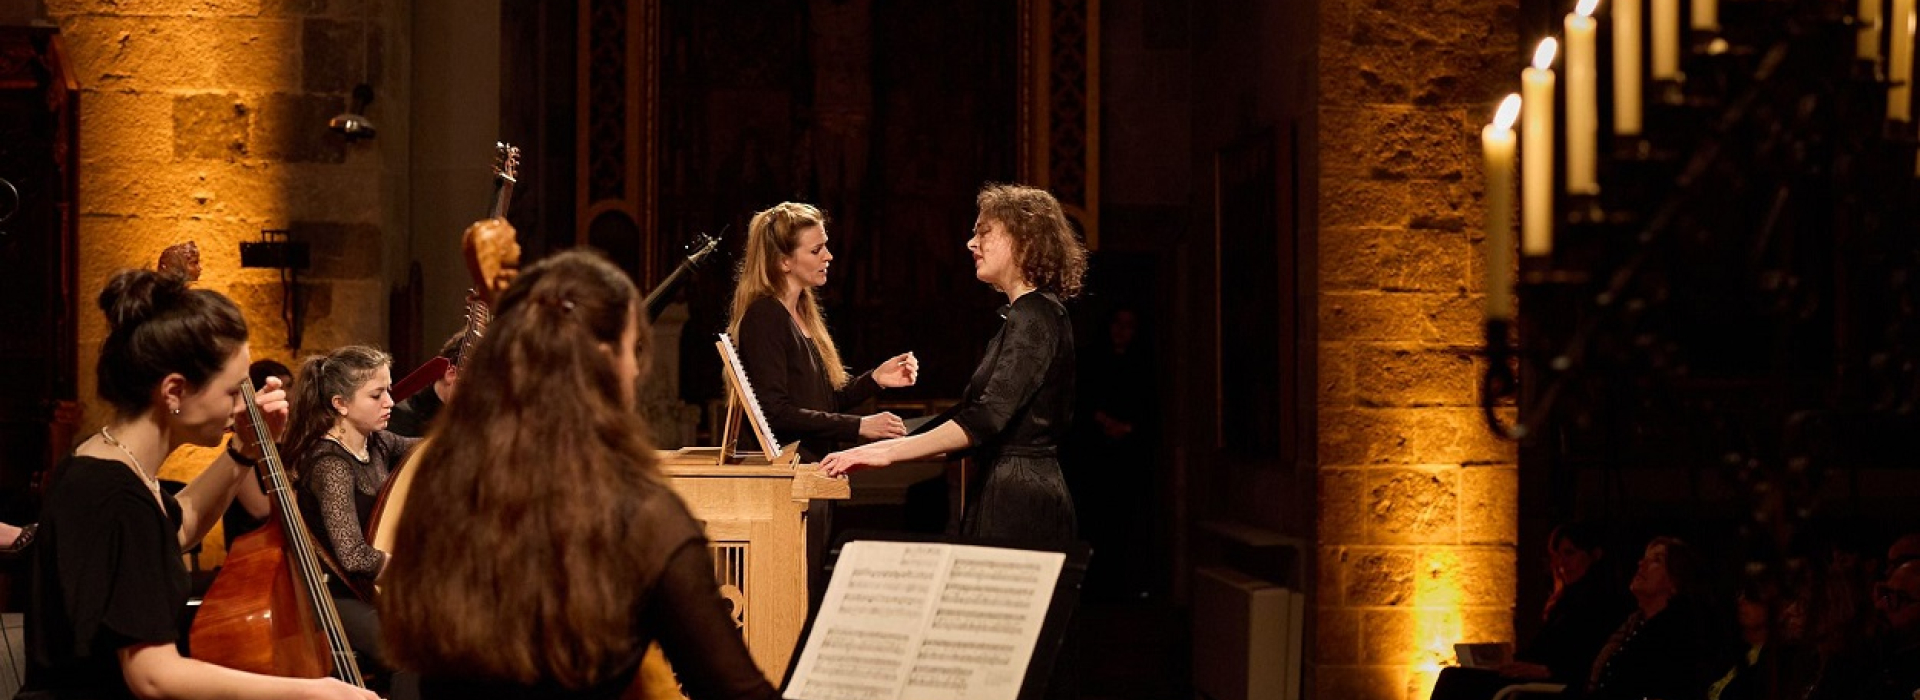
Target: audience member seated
(1771, 663)
(1887, 666)
(1666, 647)
(1584, 608)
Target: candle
(1496, 148)
(1583, 111)
(1666, 39)
(1867, 20)
(1536, 134)
(1706, 15)
(1626, 67)
(1900, 62)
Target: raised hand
(898, 371)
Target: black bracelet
(240, 457)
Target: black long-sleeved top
(337, 493)
(790, 380)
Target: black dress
(1017, 409)
(106, 575)
(674, 604)
(790, 380)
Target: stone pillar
(1417, 499)
(206, 120)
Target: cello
(269, 611)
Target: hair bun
(133, 296)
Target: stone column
(1417, 499)
(206, 120)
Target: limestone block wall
(206, 120)
(1417, 499)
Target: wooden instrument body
(256, 618)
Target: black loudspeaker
(279, 255)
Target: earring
(176, 410)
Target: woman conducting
(557, 550)
(108, 580)
(789, 356)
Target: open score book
(926, 621)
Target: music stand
(741, 403)
(1053, 630)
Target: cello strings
(345, 667)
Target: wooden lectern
(754, 506)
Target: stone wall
(206, 120)
(1417, 499)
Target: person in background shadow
(412, 417)
(1111, 465)
(1586, 605)
(1667, 647)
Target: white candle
(1583, 111)
(1900, 62)
(1536, 134)
(1666, 39)
(1626, 67)
(1496, 149)
(1706, 15)
(1866, 17)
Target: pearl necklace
(152, 483)
(363, 454)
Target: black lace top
(337, 492)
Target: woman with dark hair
(558, 552)
(342, 458)
(796, 370)
(108, 582)
(1018, 406)
(1666, 648)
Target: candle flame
(1586, 8)
(1508, 113)
(1543, 56)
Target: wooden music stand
(741, 403)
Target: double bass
(269, 611)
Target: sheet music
(738, 369)
(926, 621)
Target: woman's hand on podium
(901, 370)
(844, 462)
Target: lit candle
(1583, 111)
(1626, 67)
(1496, 147)
(1900, 62)
(1536, 133)
(1706, 15)
(1866, 17)
(1666, 39)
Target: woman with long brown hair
(342, 458)
(796, 370)
(108, 585)
(556, 550)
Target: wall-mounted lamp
(354, 123)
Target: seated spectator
(1887, 666)
(1665, 648)
(1584, 608)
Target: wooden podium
(754, 507)
(756, 522)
